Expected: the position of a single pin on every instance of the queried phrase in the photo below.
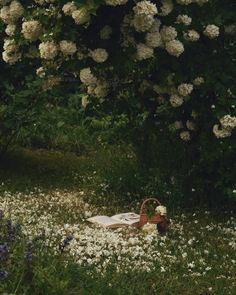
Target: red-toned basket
(144, 217)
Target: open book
(119, 220)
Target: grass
(50, 194)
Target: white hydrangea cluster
(144, 12)
(43, 2)
(201, 2)
(81, 16)
(166, 8)
(31, 29)
(178, 125)
(69, 8)
(67, 47)
(221, 132)
(96, 87)
(116, 2)
(11, 53)
(228, 122)
(10, 14)
(168, 33)
(99, 55)
(87, 77)
(105, 32)
(184, 2)
(211, 31)
(176, 100)
(198, 81)
(185, 135)
(190, 125)
(185, 89)
(4, 2)
(144, 51)
(174, 47)
(184, 19)
(10, 29)
(41, 72)
(191, 35)
(153, 39)
(48, 50)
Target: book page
(129, 218)
(106, 221)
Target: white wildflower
(41, 72)
(228, 122)
(145, 8)
(99, 55)
(198, 81)
(161, 210)
(166, 8)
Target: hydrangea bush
(168, 65)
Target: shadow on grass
(24, 169)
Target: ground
(50, 195)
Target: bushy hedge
(164, 70)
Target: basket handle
(147, 200)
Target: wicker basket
(144, 217)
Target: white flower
(178, 125)
(10, 29)
(87, 77)
(99, 55)
(69, 8)
(185, 135)
(153, 39)
(168, 33)
(184, 2)
(116, 2)
(81, 16)
(149, 228)
(228, 122)
(16, 9)
(67, 47)
(198, 81)
(191, 35)
(183, 19)
(142, 23)
(185, 89)
(145, 7)
(190, 125)
(144, 51)
(41, 72)
(176, 100)
(105, 32)
(166, 8)
(31, 30)
(174, 48)
(161, 210)
(48, 50)
(221, 133)
(212, 31)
